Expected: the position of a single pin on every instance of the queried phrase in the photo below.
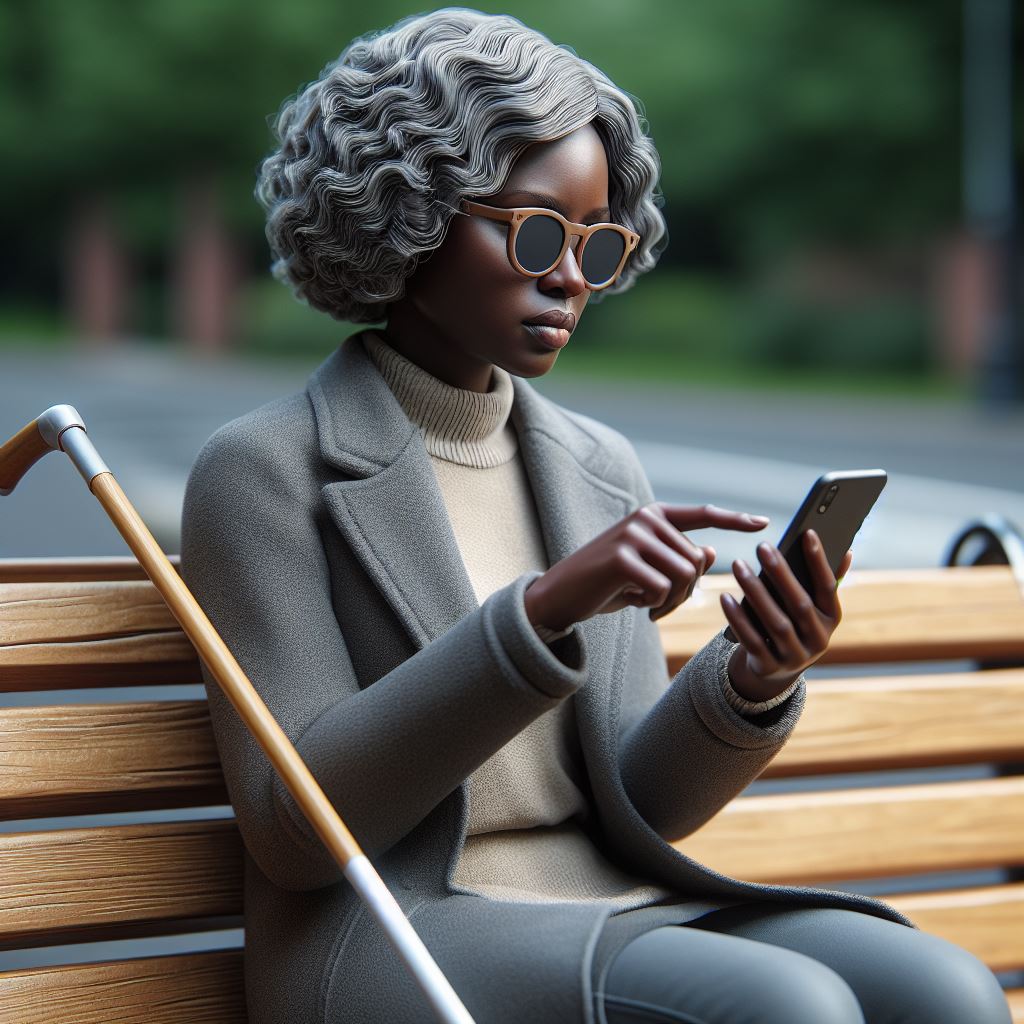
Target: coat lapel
(389, 508)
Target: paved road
(149, 409)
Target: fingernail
(769, 555)
(756, 519)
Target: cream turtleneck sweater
(528, 810)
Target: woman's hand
(799, 633)
(643, 560)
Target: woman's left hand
(800, 632)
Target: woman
(444, 585)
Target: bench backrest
(79, 623)
(86, 623)
(966, 710)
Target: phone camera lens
(828, 499)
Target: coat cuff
(707, 691)
(750, 707)
(558, 670)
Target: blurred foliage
(790, 120)
(275, 323)
(132, 100)
(782, 125)
(694, 320)
(687, 321)
(776, 121)
(887, 335)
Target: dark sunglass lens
(602, 255)
(538, 243)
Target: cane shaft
(286, 761)
(62, 427)
(228, 672)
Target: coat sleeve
(684, 751)
(385, 755)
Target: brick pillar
(962, 296)
(96, 274)
(205, 274)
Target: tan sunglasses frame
(516, 215)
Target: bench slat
(212, 984)
(865, 833)
(961, 612)
(91, 758)
(73, 569)
(790, 838)
(893, 722)
(131, 756)
(1015, 997)
(986, 920)
(72, 635)
(910, 615)
(79, 885)
(159, 660)
(93, 992)
(52, 613)
(201, 988)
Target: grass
(655, 368)
(32, 328)
(677, 315)
(601, 364)
(651, 366)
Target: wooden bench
(81, 623)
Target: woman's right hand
(644, 559)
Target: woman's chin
(535, 364)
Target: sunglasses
(538, 238)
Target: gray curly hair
(375, 156)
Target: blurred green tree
(783, 125)
(788, 121)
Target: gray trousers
(777, 963)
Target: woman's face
(464, 306)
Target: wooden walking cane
(61, 428)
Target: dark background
(817, 160)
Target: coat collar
(390, 509)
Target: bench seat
(85, 623)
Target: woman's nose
(568, 273)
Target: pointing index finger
(697, 517)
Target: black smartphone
(835, 508)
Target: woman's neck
(420, 342)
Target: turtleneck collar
(456, 424)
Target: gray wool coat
(315, 537)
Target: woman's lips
(554, 318)
(553, 337)
(552, 328)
